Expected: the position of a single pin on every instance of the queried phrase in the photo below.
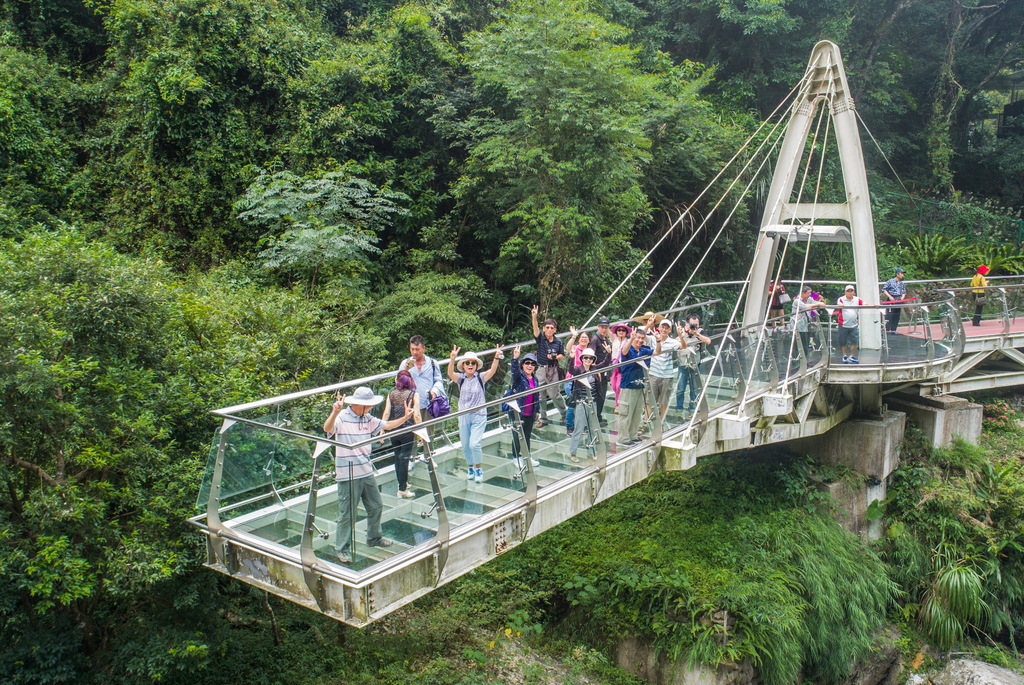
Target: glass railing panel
(948, 333)
(261, 467)
(818, 348)
(265, 483)
(757, 360)
(722, 371)
(1014, 299)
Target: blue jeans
(471, 432)
(687, 378)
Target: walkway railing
(272, 481)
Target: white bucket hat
(364, 396)
(470, 356)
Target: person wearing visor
(524, 378)
(582, 393)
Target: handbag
(980, 300)
(784, 298)
(439, 407)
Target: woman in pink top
(619, 342)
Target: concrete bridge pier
(942, 418)
(869, 444)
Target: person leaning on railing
(894, 290)
(979, 283)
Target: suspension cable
(732, 317)
(725, 223)
(707, 218)
(882, 152)
(685, 213)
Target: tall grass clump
(723, 563)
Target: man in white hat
(352, 466)
(663, 366)
(848, 333)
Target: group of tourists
(626, 357)
(612, 356)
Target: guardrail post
(213, 505)
(443, 530)
(1006, 310)
(526, 460)
(929, 338)
(306, 553)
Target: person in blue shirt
(633, 380)
(894, 289)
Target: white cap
(849, 287)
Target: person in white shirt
(849, 333)
(663, 366)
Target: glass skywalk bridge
(270, 495)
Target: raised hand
(572, 329)
(498, 354)
(515, 352)
(535, 311)
(455, 352)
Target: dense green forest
(206, 202)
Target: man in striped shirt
(353, 469)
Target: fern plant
(934, 255)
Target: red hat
(983, 269)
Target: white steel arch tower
(785, 218)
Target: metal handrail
(367, 380)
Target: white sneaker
(469, 475)
(479, 476)
(535, 462)
(518, 463)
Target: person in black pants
(601, 343)
(523, 379)
(404, 394)
(894, 290)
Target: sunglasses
(529, 363)
(590, 358)
(469, 363)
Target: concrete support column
(942, 418)
(869, 446)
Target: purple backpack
(439, 407)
